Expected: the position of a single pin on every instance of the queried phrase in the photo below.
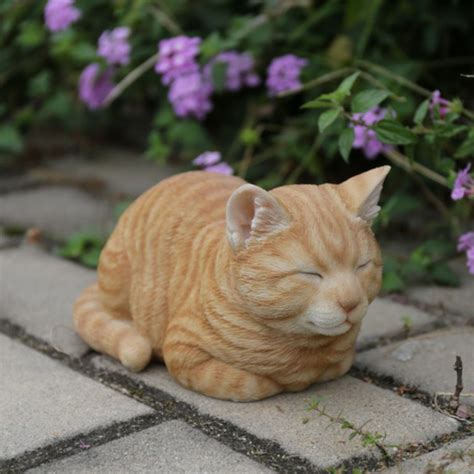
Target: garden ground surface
(65, 409)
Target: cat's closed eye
(364, 265)
(311, 273)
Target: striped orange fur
(243, 293)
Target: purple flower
(95, 85)
(207, 158)
(466, 243)
(209, 161)
(470, 260)
(463, 185)
(437, 100)
(114, 46)
(239, 72)
(221, 168)
(59, 14)
(177, 57)
(366, 138)
(284, 73)
(190, 96)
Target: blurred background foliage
(398, 45)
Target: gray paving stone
(385, 318)
(455, 458)
(451, 300)
(57, 211)
(426, 361)
(37, 292)
(283, 418)
(171, 447)
(42, 402)
(122, 171)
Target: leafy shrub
(366, 89)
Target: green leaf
(394, 133)
(421, 112)
(10, 139)
(157, 150)
(352, 435)
(91, 257)
(346, 139)
(83, 52)
(366, 100)
(442, 274)
(39, 85)
(327, 118)
(211, 46)
(449, 130)
(32, 34)
(333, 98)
(58, 105)
(317, 104)
(392, 282)
(346, 85)
(467, 146)
(219, 74)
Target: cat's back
(172, 213)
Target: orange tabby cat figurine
(243, 293)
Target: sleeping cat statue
(243, 293)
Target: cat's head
(305, 258)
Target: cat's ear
(361, 193)
(253, 213)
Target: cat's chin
(329, 331)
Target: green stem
(330, 76)
(129, 78)
(166, 21)
(395, 77)
(404, 82)
(403, 162)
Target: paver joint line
(79, 443)
(264, 451)
(189, 414)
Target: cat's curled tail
(107, 334)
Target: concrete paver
(386, 318)
(42, 402)
(426, 361)
(57, 211)
(37, 292)
(172, 447)
(284, 418)
(452, 300)
(454, 458)
(121, 171)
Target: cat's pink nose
(349, 306)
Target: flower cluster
(463, 185)
(95, 85)
(60, 14)
(239, 70)
(437, 101)
(114, 46)
(211, 161)
(284, 74)
(190, 92)
(364, 137)
(190, 96)
(190, 86)
(177, 57)
(466, 243)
